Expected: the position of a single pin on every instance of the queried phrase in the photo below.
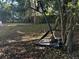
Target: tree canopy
(20, 9)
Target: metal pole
(43, 12)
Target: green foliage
(23, 12)
(7, 7)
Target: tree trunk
(69, 42)
(34, 13)
(63, 16)
(70, 36)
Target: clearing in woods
(19, 47)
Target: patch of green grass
(33, 28)
(6, 31)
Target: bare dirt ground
(19, 45)
(24, 49)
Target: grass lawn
(7, 31)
